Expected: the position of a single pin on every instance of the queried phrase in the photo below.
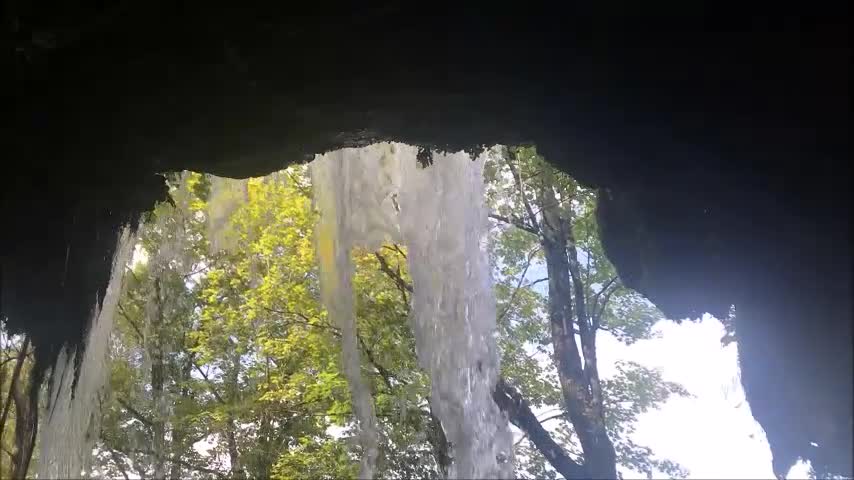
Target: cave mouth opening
(221, 257)
(727, 186)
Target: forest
(223, 362)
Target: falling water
(226, 196)
(346, 196)
(71, 421)
(443, 222)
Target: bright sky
(713, 435)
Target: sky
(713, 434)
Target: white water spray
(226, 196)
(443, 222)
(71, 424)
(351, 214)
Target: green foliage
(221, 339)
(16, 363)
(327, 459)
(521, 285)
(238, 343)
(634, 390)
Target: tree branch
(403, 286)
(306, 320)
(553, 417)
(197, 468)
(401, 283)
(518, 179)
(395, 248)
(135, 413)
(604, 287)
(200, 270)
(119, 462)
(210, 384)
(385, 374)
(298, 185)
(133, 274)
(133, 324)
(596, 319)
(13, 384)
(183, 463)
(518, 285)
(517, 408)
(585, 324)
(514, 222)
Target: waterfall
(226, 196)
(70, 426)
(442, 220)
(346, 196)
(444, 224)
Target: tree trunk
(26, 429)
(511, 402)
(233, 454)
(439, 443)
(158, 421)
(26, 418)
(231, 425)
(155, 349)
(599, 455)
(179, 431)
(587, 332)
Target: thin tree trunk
(179, 432)
(605, 454)
(16, 373)
(26, 429)
(586, 328)
(158, 424)
(511, 402)
(233, 454)
(439, 443)
(155, 349)
(26, 418)
(599, 455)
(231, 426)
(3, 422)
(263, 464)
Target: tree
(224, 363)
(545, 219)
(236, 341)
(149, 420)
(18, 414)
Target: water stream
(365, 197)
(70, 424)
(380, 193)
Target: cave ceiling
(718, 139)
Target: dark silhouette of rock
(718, 135)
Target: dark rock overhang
(719, 139)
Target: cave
(717, 137)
